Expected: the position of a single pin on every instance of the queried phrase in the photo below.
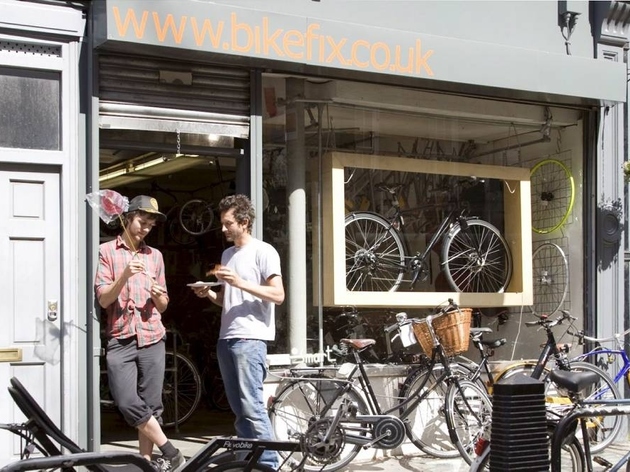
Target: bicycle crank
(320, 443)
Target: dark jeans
(136, 378)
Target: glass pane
(31, 109)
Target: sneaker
(162, 464)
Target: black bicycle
(474, 255)
(577, 384)
(335, 417)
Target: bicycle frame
(624, 372)
(550, 349)
(567, 424)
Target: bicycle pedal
(603, 462)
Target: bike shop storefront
(330, 155)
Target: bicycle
(334, 417)
(40, 433)
(474, 255)
(611, 354)
(435, 439)
(575, 383)
(602, 431)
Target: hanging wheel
(551, 279)
(175, 229)
(553, 194)
(196, 217)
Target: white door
(30, 274)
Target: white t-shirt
(244, 315)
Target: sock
(168, 450)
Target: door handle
(52, 310)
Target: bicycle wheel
(426, 424)
(241, 466)
(468, 415)
(297, 410)
(182, 390)
(196, 217)
(175, 229)
(573, 458)
(603, 430)
(375, 254)
(553, 194)
(476, 258)
(551, 279)
(214, 390)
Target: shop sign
(320, 42)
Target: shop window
(31, 108)
(413, 232)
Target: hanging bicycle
(474, 255)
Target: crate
(452, 329)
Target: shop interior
(188, 173)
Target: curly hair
(243, 209)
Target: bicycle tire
(298, 406)
(196, 216)
(551, 279)
(476, 258)
(175, 229)
(188, 390)
(468, 415)
(241, 466)
(552, 195)
(572, 453)
(426, 425)
(375, 253)
(605, 430)
(214, 390)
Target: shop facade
(334, 119)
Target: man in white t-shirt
(250, 270)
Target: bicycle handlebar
(547, 323)
(583, 337)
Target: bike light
(481, 445)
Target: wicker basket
(451, 328)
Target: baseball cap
(146, 204)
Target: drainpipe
(296, 207)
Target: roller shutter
(164, 95)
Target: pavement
(207, 424)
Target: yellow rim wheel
(553, 195)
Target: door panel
(30, 274)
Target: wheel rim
(375, 256)
(477, 259)
(551, 279)
(552, 195)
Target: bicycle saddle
(574, 382)
(358, 344)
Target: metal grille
(31, 49)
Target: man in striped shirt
(130, 285)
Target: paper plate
(204, 284)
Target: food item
(215, 268)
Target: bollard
(518, 436)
